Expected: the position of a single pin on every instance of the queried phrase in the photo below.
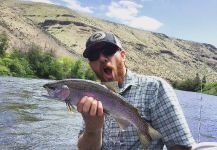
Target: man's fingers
(87, 104)
(93, 108)
(99, 108)
(81, 104)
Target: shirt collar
(129, 81)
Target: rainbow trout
(72, 90)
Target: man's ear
(123, 54)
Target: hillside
(65, 31)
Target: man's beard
(120, 70)
(117, 72)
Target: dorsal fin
(112, 86)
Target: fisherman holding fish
(152, 96)
(127, 111)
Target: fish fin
(112, 86)
(122, 123)
(70, 107)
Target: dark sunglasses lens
(93, 55)
(109, 50)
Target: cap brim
(99, 44)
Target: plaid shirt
(157, 103)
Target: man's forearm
(90, 140)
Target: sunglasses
(106, 50)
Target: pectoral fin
(70, 107)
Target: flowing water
(28, 120)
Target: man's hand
(92, 112)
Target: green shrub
(210, 88)
(78, 70)
(3, 44)
(37, 63)
(4, 70)
(82, 70)
(189, 84)
(89, 74)
(61, 67)
(40, 62)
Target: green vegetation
(210, 88)
(3, 44)
(36, 63)
(196, 85)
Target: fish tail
(146, 136)
(144, 140)
(154, 134)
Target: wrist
(93, 132)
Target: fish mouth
(61, 93)
(48, 88)
(51, 92)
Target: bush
(189, 84)
(3, 44)
(40, 62)
(61, 67)
(36, 63)
(210, 88)
(90, 75)
(4, 70)
(82, 70)
(78, 70)
(16, 68)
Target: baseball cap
(98, 38)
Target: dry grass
(148, 52)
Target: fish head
(59, 91)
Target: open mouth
(108, 72)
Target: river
(28, 120)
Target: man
(152, 96)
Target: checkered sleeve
(168, 118)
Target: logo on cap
(97, 36)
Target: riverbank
(37, 63)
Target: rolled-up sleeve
(167, 117)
